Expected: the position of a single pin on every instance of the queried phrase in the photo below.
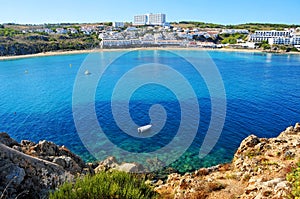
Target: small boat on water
(87, 72)
(144, 128)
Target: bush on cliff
(294, 178)
(105, 185)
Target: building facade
(263, 35)
(118, 24)
(140, 20)
(286, 37)
(150, 19)
(156, 19)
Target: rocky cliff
(258, 170)
(30, 170)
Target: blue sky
(223, 11)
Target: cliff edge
(258, 170)
(30, 170)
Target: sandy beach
(130, 49)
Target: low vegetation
(232, 38)
(249, 26)
(294, 178)
(14, 42)
(106, 185)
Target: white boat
(144, 128)
(87, 72)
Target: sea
(93, 103)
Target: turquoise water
(262, 93)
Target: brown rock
(297, 128)
(130, 168)
(250, 141)
(7, 140)
(33, 176)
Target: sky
(90, 11)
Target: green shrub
(105, 185)
(232, 38)
(294, 49)
(294, 178)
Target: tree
(108, 23)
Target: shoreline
(73, 52)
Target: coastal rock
(51, 152)
(30, 170)
(258, 170)
(130, 167)
(107, 164)
(112, 163)
(46, 148)
(250, 141)
(297, 128)
(7, 140)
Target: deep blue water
(262, 94)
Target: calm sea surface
(262, 94)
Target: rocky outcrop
(258, 171)
(30, 170)
(111, 163)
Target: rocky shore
(30, 170)
(258, 170)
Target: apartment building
(150, 19)
(263, 35)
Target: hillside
(248, 26)
(15, 42)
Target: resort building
(234, 31)
(262, 35)
(156, 19)
(286, 37)
(140, 20)
(118, 24)
(150, 19)
(61, 31)
(295, 41)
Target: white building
(150, 19)
(234, 31)
(263, 35)
(72, 30)
(295, 40)
(286, 37)
(156, 19)
(140, 20)
(118, 24)
(61, 31)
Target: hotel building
(263, 35)
(140, 20)
(118, 24)
(150, 19)
(286, 37)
